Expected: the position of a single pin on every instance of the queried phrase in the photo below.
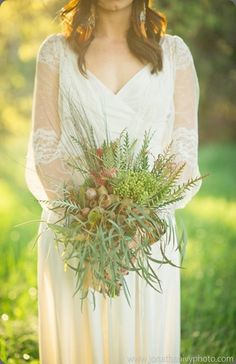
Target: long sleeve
(46, 170)
(185, 128)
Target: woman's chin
(114, 5)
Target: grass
(208, 281)
(208, 295)
(18, 294)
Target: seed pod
(112, 215)
(109, 189)
(104, 200)
(137, 211)
(93, 203)
(85, 211)
(81, 217)
(121, 218)
(102, 190)
(91, 193)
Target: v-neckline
(132, 78)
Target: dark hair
(145, 46)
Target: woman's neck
(112, 24)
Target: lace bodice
(168, 102)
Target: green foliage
(208, 28)
(69, 205)
(142, 161)
(23, 28)
(18, 293)
(154, 187)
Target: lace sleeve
(46, 170)
(185, 129)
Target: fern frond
(69, 205)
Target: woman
(113, 58)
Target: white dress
(114, 332)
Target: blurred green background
(208, 311)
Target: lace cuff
(47, 168)
(185, 147)
(185, 128)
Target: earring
(142, 16)
(92, 17)
(142, 19)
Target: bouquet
(109, 223)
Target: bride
(113, 57)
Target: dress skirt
(147, 331)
